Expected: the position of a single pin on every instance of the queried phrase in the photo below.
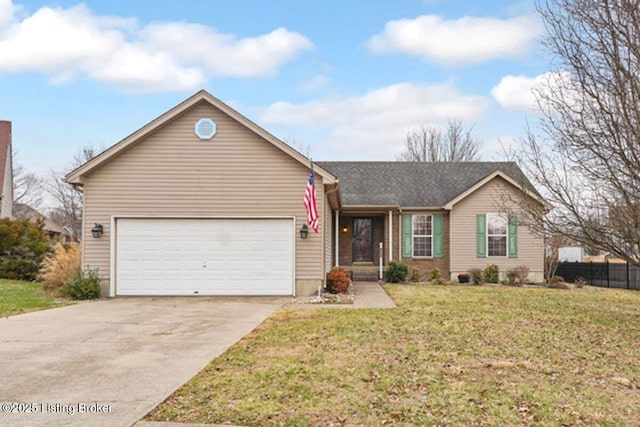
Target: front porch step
(363, 273)
(365, 276)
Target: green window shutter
(407, 234)
(437, 236)
(481, 236)
(513, 236)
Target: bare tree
(67, 210)
(27, 187)
(432, 144)
(83, 155)
(585, 155)
(303, 148)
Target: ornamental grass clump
(557, 282)
(59, 267)
(415, 275)
(580, 282)
(517, 276)
(436, 277)
(477, 277)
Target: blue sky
(345, 79)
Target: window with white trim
(497, 235)
(422, 236)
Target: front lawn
(19, 297)
(450, 355)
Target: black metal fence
(603, 274)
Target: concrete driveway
(109, 362)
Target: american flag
(310, 202)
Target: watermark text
(55, 408)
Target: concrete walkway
(371, 295)
(366, 295)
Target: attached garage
(204, 256)
(202, 201)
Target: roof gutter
(424, 208)
(371, 207)
(336, 187)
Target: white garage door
(204, 256)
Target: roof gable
(528, 189)
(419, 184)
(78, 175)
(23, 211)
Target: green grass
(20, 297)
(449, 355)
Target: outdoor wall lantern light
(96, 231)
(304, 231)
(345, 229)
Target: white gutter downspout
(400, 234)
(390, 235)
(337, 242)
(337, 218)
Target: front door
(362, 240)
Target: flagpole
(319, 286)
(310, 201)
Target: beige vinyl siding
(172, 173)
(6, 204)
(463, 234)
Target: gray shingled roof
(23, 211)
(413, 184)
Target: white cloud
(70, 43)
(463, 41)
(225, 54)
(57, 41)
(315, 83)
(495, 148)
(7, 11)
(376, 123)
(521, 92)
(137, 70)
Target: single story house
(54, 232)
(202, 201)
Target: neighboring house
(606, 257)
(54, 232)
(6, 170)
(203, 201)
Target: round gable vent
(205, 128)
